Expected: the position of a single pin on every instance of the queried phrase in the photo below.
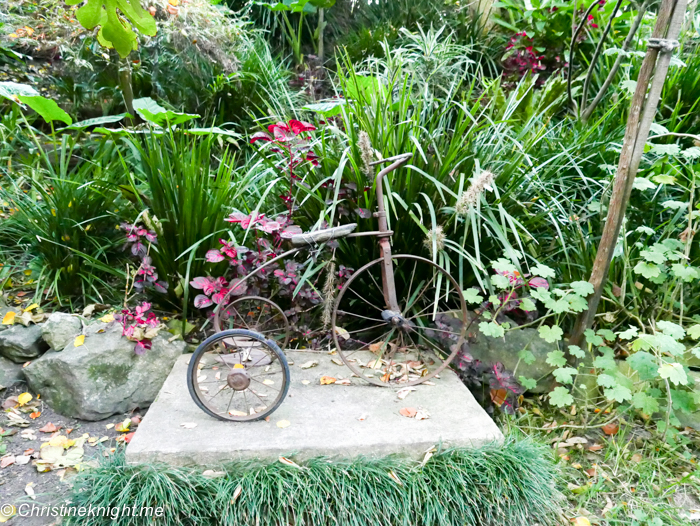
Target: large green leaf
(107, 119)
(154, 113)
(10, 90)
(47, 108)
(113, 17)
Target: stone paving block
(324, 421)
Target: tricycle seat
(321, 236)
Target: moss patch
(110, 375)
(509, 485)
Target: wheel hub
(395, 319)
(238, 380)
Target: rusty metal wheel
(238, 375)
(257, 314)
(405, 348)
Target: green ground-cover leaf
(505, 485)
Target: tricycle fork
(388, 284)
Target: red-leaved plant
(139, 326)
(291, 141)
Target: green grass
(504, 485)
(629, 478)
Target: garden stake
(668, 25)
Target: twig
(596, 54)
(586, 114)
(572, 426)
(571, 49)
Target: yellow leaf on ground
(79, 340)
(581, 521)
(7, 512)
(9, 318)
(31, 307)
(283, 423)
(24, 398)
(107, 318)
(174, 2)
(327, 380)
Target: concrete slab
(324, 420)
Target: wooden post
(668, 24)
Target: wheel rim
(405, 348)
(238, 377)
(256, 314)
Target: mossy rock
(104, 376)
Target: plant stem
(127, 88)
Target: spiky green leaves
(115, 19)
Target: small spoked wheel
(238, 375)
(403, 348)
(254, 314)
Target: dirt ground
(51, 487)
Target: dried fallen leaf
(9, 318)
(6, 461)
(422, 414)
(342, 333)
(595, 447)
(290, 463)
(337, 361)
(327, 380)
(24, 399)
(309, 364)
(35, 414)
(611, 429)
(10, 402)
(30, 491)
(236, 493)
(283, 423)
(7, 512)
(408, 412)
(362, 417)
(21, 460)
(403, 393)
(636, 458)
(188, 425)
(109, 426)
(592, 471)
(498, 396)
(123, 427)
(395, 478)
(107, 318)
(581, 521)
(49, 428)
(79, 340)
(343, 381)
(267, 381)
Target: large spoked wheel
(238, 375)
(403, 348)
(256, 314)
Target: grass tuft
(506, 485)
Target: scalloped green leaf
(115, 19)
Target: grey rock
(103, 376)
(19, 343)
(690, 419)
(60, 330)
(10, 373)
(506, 351)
